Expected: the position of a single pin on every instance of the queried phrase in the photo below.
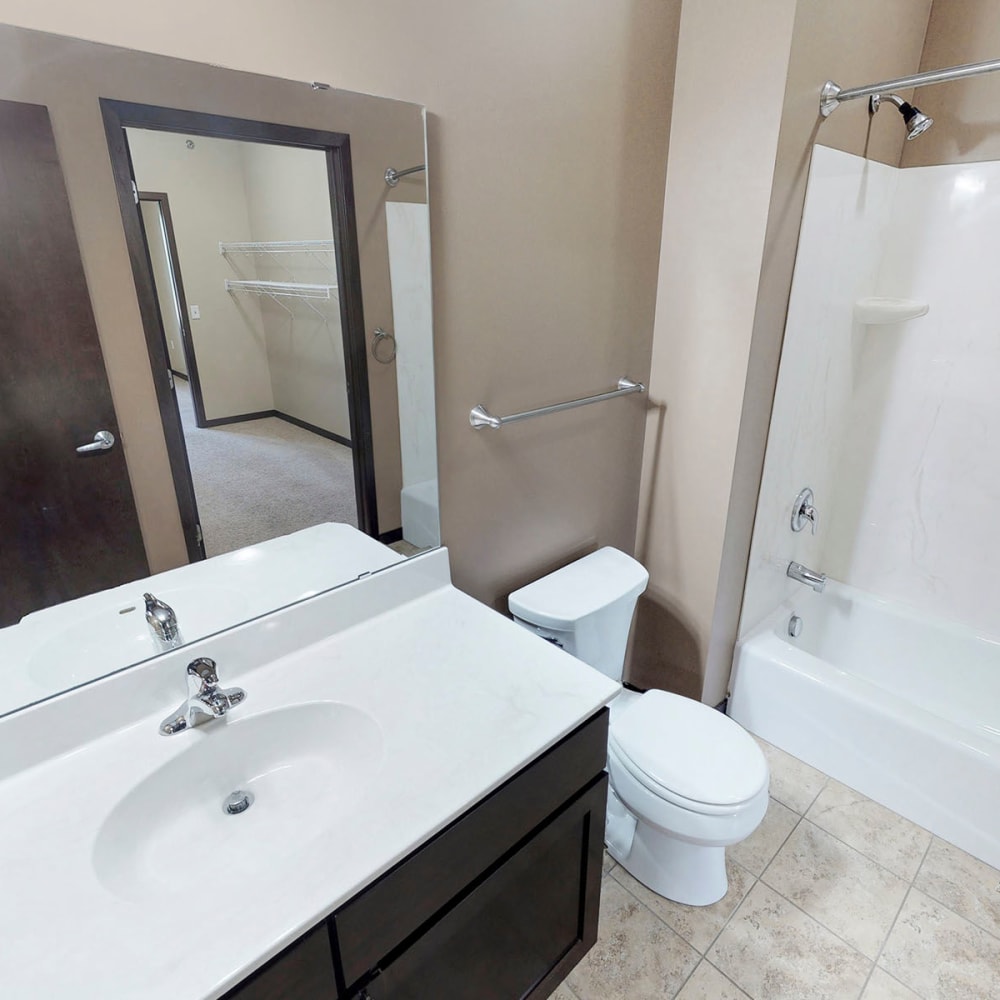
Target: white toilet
(686, 781)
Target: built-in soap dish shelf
(879, 311)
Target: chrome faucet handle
(809, 513)
(203, 687)
(803, 510)
(201, 675)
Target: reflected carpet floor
(263, 478)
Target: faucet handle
(202, 675)
(803, 510)
(203, 684)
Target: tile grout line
(756, 880)
(904, 878)
(660, 919)
(728, 920)
(875, 966)
(815, 920)
(730, 980)
(687, 978)
(655, 915)
(895, 920)
(928, 892)
(868, 857)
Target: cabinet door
(302, 972)
(522, 928)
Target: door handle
(103, 440)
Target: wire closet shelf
(279, 246)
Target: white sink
(306, 767)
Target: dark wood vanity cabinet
(499, 905)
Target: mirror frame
(119, 115)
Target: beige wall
(715, 212)
(745, 122)
(964, 111)
(547, 137)
(208, 203)
(288, 197)
(852, 42)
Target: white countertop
(59, 647)
(463, 697)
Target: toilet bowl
(686, 781)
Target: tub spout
(807, 576)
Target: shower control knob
(803, 511)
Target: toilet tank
(585, 608)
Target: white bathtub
(900, 707)
(421, 520)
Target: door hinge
(170, 378)
(135, 193)
(199, 537)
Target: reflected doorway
(245, 258)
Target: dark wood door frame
(187, 341)
(170, 416)
(119, 115)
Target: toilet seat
(688, 754)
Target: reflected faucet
(162, 623)
(807, 576)
(205, 700)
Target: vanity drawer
(413, 893)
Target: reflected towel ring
(384, 355)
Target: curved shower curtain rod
(831, 96)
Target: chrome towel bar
(480, 417)
(392, 175)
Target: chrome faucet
(807, 576)
(162, 623)
(205, 700)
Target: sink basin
(306, 766)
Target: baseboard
(239, 418)
(388, 537)
(261, 414)
(329, 435)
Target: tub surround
(890, 424)
(898, 706)
(461, 700)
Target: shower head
(916, 121)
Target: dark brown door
(68, 524)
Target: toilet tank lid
(690, 749)
(562, 598)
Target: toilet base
(694, 874)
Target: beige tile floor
(833, 897)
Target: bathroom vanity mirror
(219, 260)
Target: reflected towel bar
(480, 417)
(392, 175)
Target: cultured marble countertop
(107, 630)
(463, 699)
